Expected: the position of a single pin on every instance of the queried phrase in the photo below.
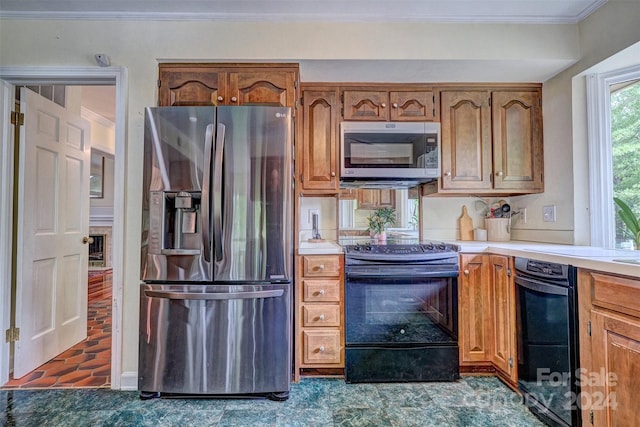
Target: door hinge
(17, 118)
(12, 334)
(591, 417)
(589, 327)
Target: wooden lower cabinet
(474, 311)
(319, 319)
(609, 319)
(503, 316)
(486, 315)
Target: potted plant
(630, 220)
(379, 221)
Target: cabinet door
(190, 86)
(366, 105)
(319, 157)
(503, 316)
(474, 314)
(517, 140)
(616, 361)
(262, 87)
(412, 106)
(376, 199)
(465, 140)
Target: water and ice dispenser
(175, 227)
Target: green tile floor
(471, 401)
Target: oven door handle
(546, 288)
(429, 274)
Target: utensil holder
(498, 229)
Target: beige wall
(477, 50)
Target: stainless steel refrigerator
(217, 252)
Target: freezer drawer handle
(215, 296)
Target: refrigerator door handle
(217, 192)
(274, 293)
(206, 184)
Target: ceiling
(529, 11)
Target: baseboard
(129, 381)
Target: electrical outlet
(549, 213)
(522, 215)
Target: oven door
(400, 306)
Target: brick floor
(88, 363)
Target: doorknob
(87, 239)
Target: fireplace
(100, 248)
(96, 251)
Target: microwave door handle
(217, 191)
(206, 185)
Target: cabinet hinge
(12, 334)
(489, 101)
(591, 417)
(296, 105)
(540, 102)
(589, 327)
(17, 118)
(302, 100)
(508, 272)
(510, 362)
(159, 82)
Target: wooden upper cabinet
(465, 135)
(517, 140)
(385, 105)
(318, 155)
(263, 87)
(366, 105)
(412, 106)
(190, 85)
(491, 141)
(376, 199)
(228, 84)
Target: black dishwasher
(547, 322)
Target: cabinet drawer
(321, 347)
(320, 315)
(616, 293)
(321, 290)
(321, 266)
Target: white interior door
(53, 219)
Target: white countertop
(606, 260)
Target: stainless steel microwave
(389, 151)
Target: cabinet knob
(321, 317)
(321, 292)
(220, 98)
(234, 99)
(321, 349)
(333, 174)
(395, 105)
(466, 272)
(383, 105)
(447, 174)
(499, 173)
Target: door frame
(75, 76)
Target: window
(55, 93)
(614, 145)
(625, 144)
